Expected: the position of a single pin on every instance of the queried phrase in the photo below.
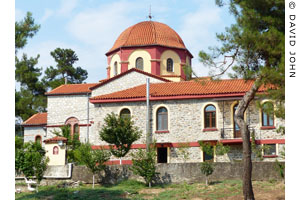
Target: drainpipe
(88, 118)
(148, 136)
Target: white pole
(88, 118)
(148, 136)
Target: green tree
(93, 159)
(31, 161)
(25, 29)
(254, 48)
(120, 133)
(65, 60)
(30, 98)
(206, 169)
(143, 164)
(73, 142)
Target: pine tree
(64, 69)
(254, 48)
(30, 98)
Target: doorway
(162, 155)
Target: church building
(183, 110)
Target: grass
(130, 189)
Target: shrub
(206, 169)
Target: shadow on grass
(54, 193)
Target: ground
(224, 190)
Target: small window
(268, 114)
(125, 113)
(55, 150)
(162, 155)
(162, 119)
(169, 65)
(139, 63)
(269, 149)
(76, 129)
(38, 139)
(116, 68)
(210, 116)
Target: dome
(148, 33)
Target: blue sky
(90, 27)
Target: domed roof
(148, 33)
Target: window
(73, 124)
(169, 65)
(116, 68)
(55, 150)
(162, 155)
(210, 116)
(268, 114)
(269, 149)
(125, 113)
(139, 63)
(162, 119)
(38, 139)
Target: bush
(143, 164)
(206, 169)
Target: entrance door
(236, 129)
(162, 155)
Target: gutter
(56, 177)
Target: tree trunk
(206, 181)
(149, 184)
(239, 119)
(121, 161)
(93, 181)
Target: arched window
(139, 63)
(55, 150)
(210, 116)
(38, 139)
(268, 114)
(125, 113)
(162, 119)
(73, 123)
(116, 68)
(169, 65)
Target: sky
(90, 27)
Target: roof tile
(37, 119)
(72, 89)
(188, 88)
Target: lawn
(229, 189)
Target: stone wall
(31, 132)
(126, 81)
(179, 172)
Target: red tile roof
(176, 90)
(38, 119)
(69, 89)
(103, 82)
(55, 139)
(148, 33)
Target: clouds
(47, 14)
(66, 7)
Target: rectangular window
(269, 149)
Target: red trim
(166, 131)
(271, 141)
(240, 141)
(267, 127)
(84, 124)
(165, 98)
(117, 162)
(196, 144)
(61, 125)
(270, 156)
(209, 129)
(34, 125)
